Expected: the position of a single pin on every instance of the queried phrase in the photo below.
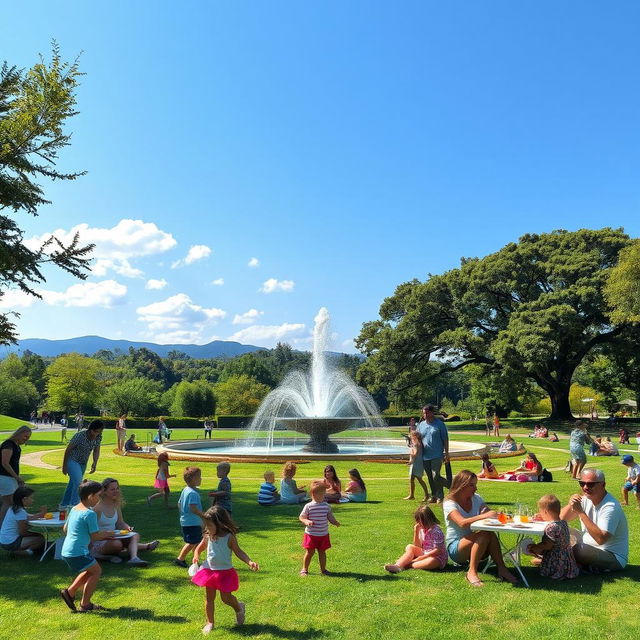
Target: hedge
(173, 422)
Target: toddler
(632, 482)
(428, 550)
(190, 507)
(290, 493)
(14, 534)
(416, 466)
(316, 516)
(356, 489)
(217, 572)
(554, 552)
(222, 495)
(268, 494)
(161, 482)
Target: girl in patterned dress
(428, 550)
(554, 552)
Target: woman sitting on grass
(530, 469)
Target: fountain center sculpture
(318, 403)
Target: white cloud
(114, 247)
(248, 317)
(177, 319)
(156, 284)
(271, 285)
(105, 293)
(16, 298)
(196, 252)
(254, 262)
(265, 335)
(218, 282)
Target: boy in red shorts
(316, 517)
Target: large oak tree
(532, 310)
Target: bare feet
(507, 577)
(474, 580)
(409, 498)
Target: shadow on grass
(274, 630)
(131, 613)
(587, 584)
(362, 577)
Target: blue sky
(347, 147)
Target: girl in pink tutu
(216, 572)
(162, 480)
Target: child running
(217, 572)
(316, 516)
(290, 493)
(554, 552)
(222, 495)
(14, 534)
(428, 550)
(190, 507)
(416, 466)
(161, 482)
(80, 529)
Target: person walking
(435, 450)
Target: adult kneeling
(462, 507)
(605, 540)
(109, 512)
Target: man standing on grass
(605, 541)
(435, 450)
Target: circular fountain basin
(284, 449)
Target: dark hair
(220, 517)
(331, 468)
(88, 488)
(424, 516)
(356, 474)
(533, 456)
(18, 496)
(95, 425)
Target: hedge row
(173, 422)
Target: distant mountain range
(90, 344)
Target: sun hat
(626, 459)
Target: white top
(608, 516)
(108, 523)
(454, 532)
(633, 472)
(10, 528)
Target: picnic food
(123, 532)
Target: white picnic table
(50, 527)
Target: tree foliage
(195, 399)
(34, 107)
(72, 383)
(240, 395)
(136, 396)
(532, 310)
(622, 289)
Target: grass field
(359, 601)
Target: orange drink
(502, 517)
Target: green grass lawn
(359, 601)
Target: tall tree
(72, 383)
(534, 309)
(34, 107)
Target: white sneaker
(207, 629)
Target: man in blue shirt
(435, 450)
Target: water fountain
(319, 403)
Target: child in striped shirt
(268, 494)
(316, 516)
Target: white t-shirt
(608, 516)
(633, 472)
(10, 528)
(454, 532)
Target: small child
(555, 553)
(268, 494)
(222, 495)
(488, 471)
(356, 489)
(416, 466)
(632, 482)
(316, 516)
(217, 572)
(14, 534)
(290, 493)
(161, 481)
(80, 529)
(190, 507)
(428, 550)
(63, 428)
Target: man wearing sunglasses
(605, 540)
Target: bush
(148, 423)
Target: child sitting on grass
(190, 507)
(222, 495)
(268, 494)
(15, 535)
(316, 516)
(290, 493)
(428, 550)
(488, 471)
(554, 553)
(356, 489)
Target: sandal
(68, 600)
(153, 545)
(304, 573)
(91, 607)
(474, 583)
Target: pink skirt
(225, 580)
(161, 484)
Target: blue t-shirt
(434, 437)
(188, 497)
(267, 493)
(81, 523)
(224, 501)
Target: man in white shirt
(605, 541)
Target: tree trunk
(560, 407)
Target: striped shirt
(320, 514)
(267, 494)
(80, 446)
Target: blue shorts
(452, 550)
(632, 487)
(192, 535)
(78, 564)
